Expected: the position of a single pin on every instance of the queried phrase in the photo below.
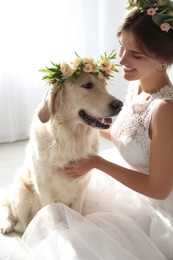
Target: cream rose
(105, 65)
(87, 68)
(94, 67)
(66, 70)
(76, 63)
(88, 60)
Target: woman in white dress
(128, 209)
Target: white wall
(35, 32)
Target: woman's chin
(130, 76)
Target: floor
(11, 157)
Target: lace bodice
(130, 131)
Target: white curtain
(35, 32)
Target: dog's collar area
(101, 123)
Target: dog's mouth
(101, 123)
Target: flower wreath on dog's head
(61, 72)
(160, 10)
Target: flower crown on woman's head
(62, 72)
(160, 10)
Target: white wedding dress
(117, 223)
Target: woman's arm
(159, 183)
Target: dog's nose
(116, 105)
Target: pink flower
(160, 2)
(151, 11)
(165, 27)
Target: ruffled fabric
(117, 223)
(60, 233)
(64, 234)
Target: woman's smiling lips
(128, 69)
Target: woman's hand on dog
(79, 168)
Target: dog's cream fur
(58, 135)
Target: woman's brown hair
(149, 38)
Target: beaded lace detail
(130, 132)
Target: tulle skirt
(117, 223)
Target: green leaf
(42, 70)
(158, 19)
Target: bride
(128, 208)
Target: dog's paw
(6, 226)
(7, 223)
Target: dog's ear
(46, 109)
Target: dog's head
(85, 101)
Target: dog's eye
(88, 85)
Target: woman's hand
(106, 134)
(79, 168)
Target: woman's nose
(123, 58)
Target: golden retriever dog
(64, 128)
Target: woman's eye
(88, 85)
(137, 56)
